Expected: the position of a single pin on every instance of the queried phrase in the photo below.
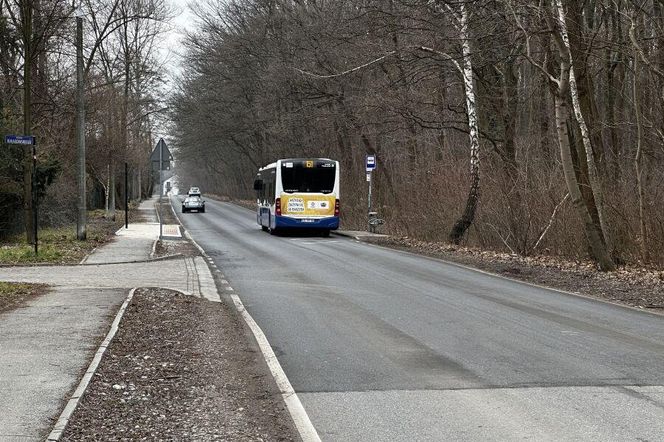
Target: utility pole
(81, 221)
(28, 160)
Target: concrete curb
(357, 236)
(298, 414)
(63, 420)
(345, 234)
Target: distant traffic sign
(371, 162)
(20, 139)
(166, 156)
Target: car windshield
(193, 199)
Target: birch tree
(561, 88)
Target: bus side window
(271, 189)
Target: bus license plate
(306, 220)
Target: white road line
(61, 424)
(299, 415)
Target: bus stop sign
(371, 162)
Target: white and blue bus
(298, 193)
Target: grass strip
(59, 245)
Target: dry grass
(59, 245)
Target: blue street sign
(20, 139)
(371, 162)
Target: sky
(172, 50)
(183, 21)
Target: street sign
(166, 156)
(20, 139)
(371, 162)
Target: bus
(298, 193)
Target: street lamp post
(81, 221)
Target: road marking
(314, 243)
(61, 424)
(299, 415)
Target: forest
(123, 92)
(521, 126)
(532, 127)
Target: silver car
(193, 203)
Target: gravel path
(180, 368)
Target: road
(383, 345)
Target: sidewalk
(46, 345)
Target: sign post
(163, 157)
(161, 185)
(370, 166)
(29, 140)
(126, 195)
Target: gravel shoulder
(180, 368)
(632, 286)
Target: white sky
(171, 46)
(172, 50)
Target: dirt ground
(636, 287)
(180, 368)
(167, 247)
(14, 295)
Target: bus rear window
(295, 177)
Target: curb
(295, 408)
(63, 419)
(298, 414)
(345, 234)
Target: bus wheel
(325, 233)
(273, 231)
(265, 229)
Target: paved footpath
(46, 345)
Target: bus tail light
(336, 208)
(277, 207)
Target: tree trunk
(593, 175)
(461, 226)
(637, 165)
(598, 249)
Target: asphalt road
(386, 345)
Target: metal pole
(369, 199)
(81, 221)
(34, 193)
(126, 196)
(161, 185)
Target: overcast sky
(172, 50)
(172, 45)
